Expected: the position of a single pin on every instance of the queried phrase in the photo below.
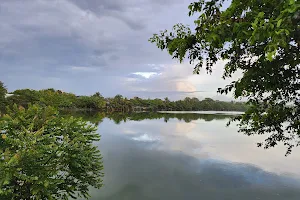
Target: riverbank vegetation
(3, 92)
(96, 102)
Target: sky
(85, 46)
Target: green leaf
(46, 183)
(260, 14)
(279, 23)
(35, 191)
(270, 56)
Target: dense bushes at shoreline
(63, 100)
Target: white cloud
(178, 78)
(147, 74)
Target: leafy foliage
(45, 156)
(260, 38)
(3, 92)
(187, 104)
(57, 99)
(63, 100)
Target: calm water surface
(194, 157)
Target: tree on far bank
(3, 92)
(97, 94)
(260, 38)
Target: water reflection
(134, 171)
(118, 118)
(191, 156)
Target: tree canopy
(46, 156)
(69, 101)
(260, 38)
(56, 98)
(3, 92)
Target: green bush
(46, 156)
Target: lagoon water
(191, 156)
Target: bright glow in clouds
(185, 87)
(146, 74)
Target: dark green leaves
(259, 38)
(45, 156)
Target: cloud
(185, 87)
(147, 74)
(82, 69)
(177, 81)
(102, 43)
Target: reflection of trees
(187, 117)
(97, 118)
(93, 117)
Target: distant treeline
(63, 100)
